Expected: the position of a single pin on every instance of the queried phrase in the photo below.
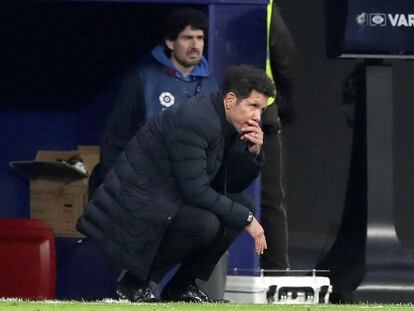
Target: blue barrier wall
(62, 63)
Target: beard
(191, 62)
(191, 58)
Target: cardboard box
(59, 186)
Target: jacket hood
(160, 54)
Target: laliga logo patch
(167, 99)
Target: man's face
(243, 113)
(187, 49)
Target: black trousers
(197, 240)
(273, 213)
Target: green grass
(115, 306)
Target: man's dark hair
(243, 79)
(179, 19)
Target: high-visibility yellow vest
(271, 100)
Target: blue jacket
(153, 85)
(171, 162)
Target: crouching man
(167, 199)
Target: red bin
(27, 260)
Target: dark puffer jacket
(170, 162)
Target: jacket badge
(167, 99)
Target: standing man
(283, 56)
(156, 207)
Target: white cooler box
(278, 289)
